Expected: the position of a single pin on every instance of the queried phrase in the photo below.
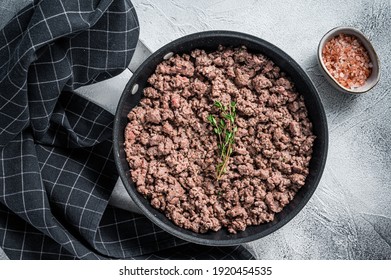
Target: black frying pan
(209, 41)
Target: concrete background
(349, 216)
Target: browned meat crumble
(172, 150)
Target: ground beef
(172, 149)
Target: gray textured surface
(349, 216)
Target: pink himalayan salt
(347, 61)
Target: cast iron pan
(209, 41)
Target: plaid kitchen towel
(56, 159)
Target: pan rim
(193, 237)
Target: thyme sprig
(225, 129)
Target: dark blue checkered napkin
(56, 160)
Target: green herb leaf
(218, 104)
(212, 120)
(222, 124)
(228, 136)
